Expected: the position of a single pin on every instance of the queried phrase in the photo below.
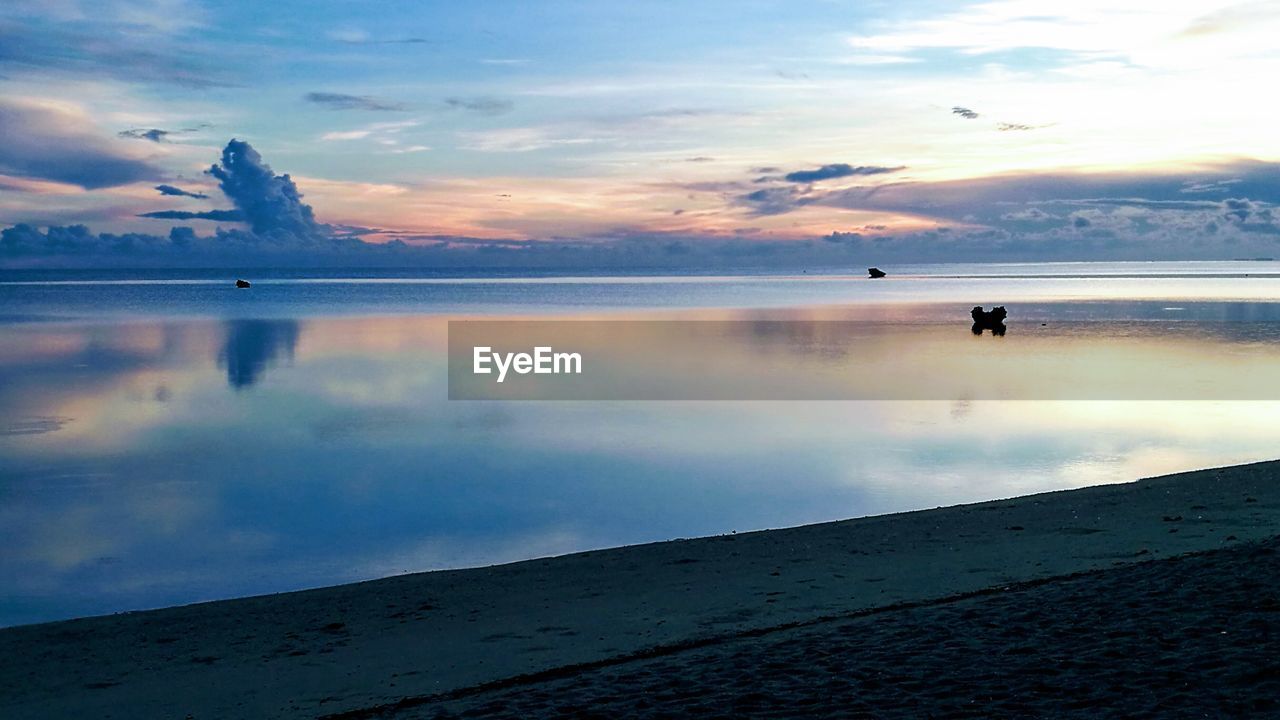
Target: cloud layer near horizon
(1016, 216)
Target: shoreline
(347, 650)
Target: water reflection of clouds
(251, 346)
(348, 462)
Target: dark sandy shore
(1040, 606)
(1196, 636)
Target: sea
(167, 438)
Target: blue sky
(1016, 129)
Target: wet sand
(983, 599)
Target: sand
(1194, 636)
(871, 603)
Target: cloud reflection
(355, 464)
(252, 346)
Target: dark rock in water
(993, 320)
(242, 283)
(875, 272)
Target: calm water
(165, 439)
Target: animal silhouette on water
(876, 273)
(993, 320)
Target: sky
(657, 133)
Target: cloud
(282, 227)
(1209, 187)
(775, 200)
(481, 105)
(360, 37)
(1063, 215)
(1029, 215)
(77, 246)
(223, 215)
(153, 134)
(836, 170)
(381, 131)
(268, 202)
(1231, 18)
(987, 198)
(179, 192)
(1234, 212)
(341, 101)
(340, 135)
(521, 139)
(108, 49)
(965, 113)
(58, 143)
(157, 135)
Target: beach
(1161, 583)
(716, 360)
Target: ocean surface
(166, 438)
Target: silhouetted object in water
(875, 273)
(993, 320)
(242, 283)
(251, 346)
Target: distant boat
(242, 283)
(875, 272)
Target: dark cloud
(268, 202)
(74, 240)
(699, 159)
(77, 246)
(775, 200)
(388, 41)
(221, 215)
(965, 113)
(836, 170)
(481, 105)
(1237, 208)
(986, 199)
(153, 134)
(179, 192)
(157, 135)
(53, 144)
(342, 101)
